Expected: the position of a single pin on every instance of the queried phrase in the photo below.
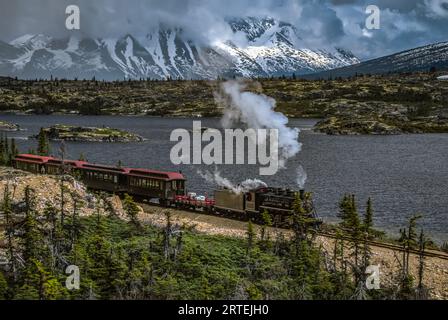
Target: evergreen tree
(302, 220)
(4, 289)
(250, 233)
(422, 293)
(408, 240)
(39, 284)
(7, 154)
(103, 266)
(31, 237)
(131, 209)
(6, 146)
(351, 225)
(8, 151)
(54, 235)
(43, 146)
(6, 208)
(3, 151)
(340, 275)
(304, 260)
(264, 236)
(13, 152)
(75, 225)
(367, 225)
(367, 229)
(345, 211)
(167, 236)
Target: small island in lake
(89, 134)
(7, 126)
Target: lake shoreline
(321, 126)
(403, 174)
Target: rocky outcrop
(381, 118)
(90, 134)
(6, 126)
(337, 126)
(47, 192)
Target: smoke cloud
(301, 177)
(243, 187)
(320, 23)
(200, 20)
(257, 111)
(254, 111)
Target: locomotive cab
(178, 187)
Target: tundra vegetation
(7, 126)
(121, 257)
(86, 134)
(129, 259)
(363, 104)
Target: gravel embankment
(436, 270)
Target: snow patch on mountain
(270, 47)
(425, 58)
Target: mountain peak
(31, 41)
(272, 48)
(418, 59)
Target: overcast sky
(404, 23)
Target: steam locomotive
(277, 202)
(169, 189)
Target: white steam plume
(257, 111)
(245, 186)
(301, 177)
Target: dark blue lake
(404, 175)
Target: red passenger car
(140, 183)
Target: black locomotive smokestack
(302, 194)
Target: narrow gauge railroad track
(394, 247)
(427, 253)
(95, 175)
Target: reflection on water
(404, 174)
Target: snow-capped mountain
(270, 48)
(418, 59)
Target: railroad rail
(374, 243)
(391, 246)
(170, 190)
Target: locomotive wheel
(163, 203)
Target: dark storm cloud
(102, 18)
(404, 23)
(319, 23)
(400, 5)
(341, 2)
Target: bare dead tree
(167, 235)
(9, 230)
(422, 293)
